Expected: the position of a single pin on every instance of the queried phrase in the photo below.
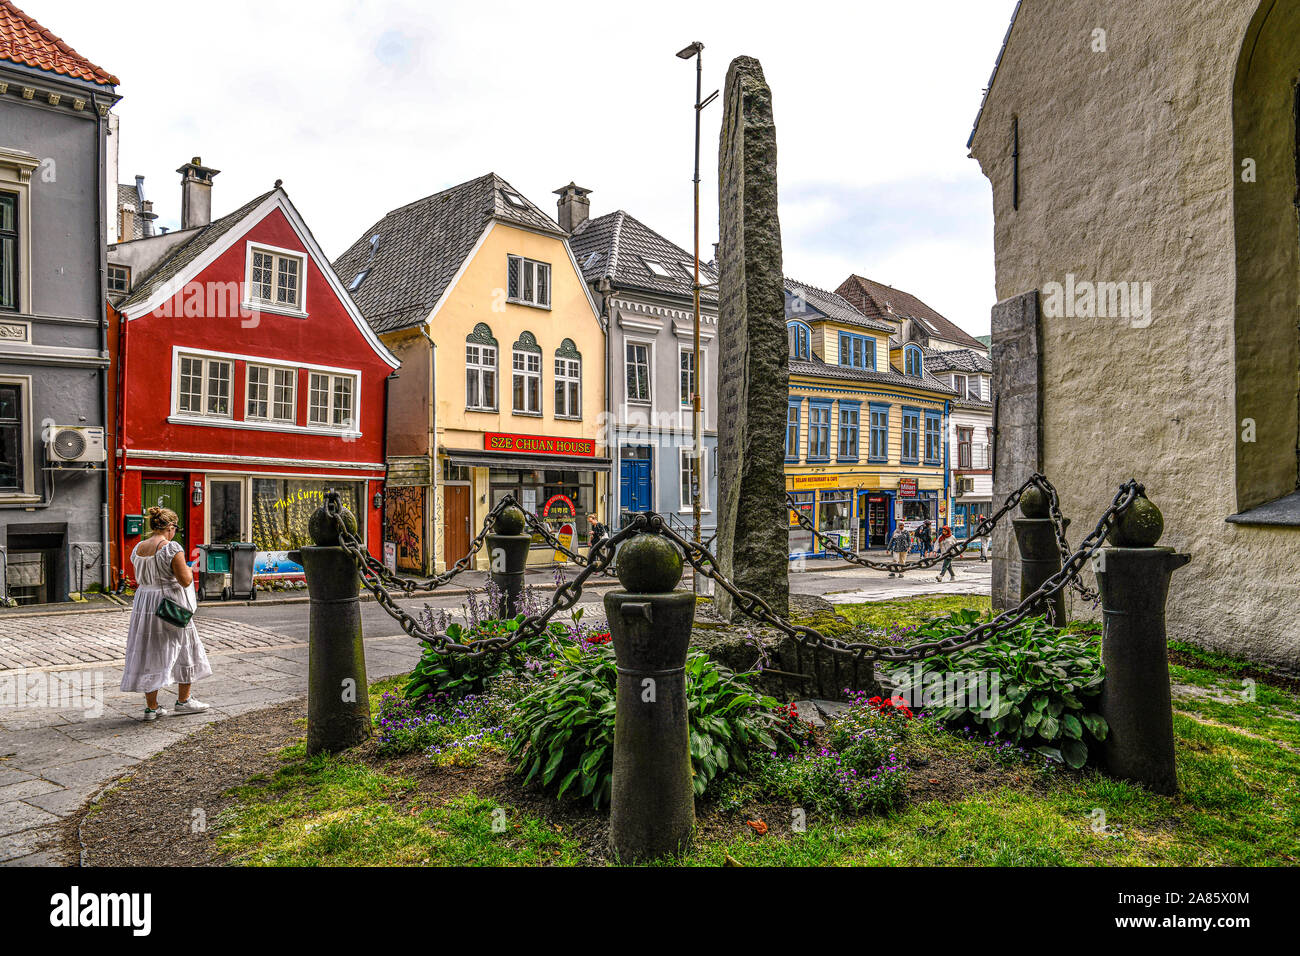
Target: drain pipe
(101, 240)
(431, 505)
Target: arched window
(527, 375)
(912, 363)
(481, 370)
(568, 380)
(800, 337)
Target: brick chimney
(196, 193)
(574, 206)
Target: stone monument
(753, 386)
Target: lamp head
(693, 50)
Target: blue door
(634, 490)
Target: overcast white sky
(364, 105)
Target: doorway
(225, 511)
(455, 530)
(166, 493)
(878, 509)
(635, 482)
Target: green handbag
(174, 614)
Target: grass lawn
(1238, 764)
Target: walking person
(159, 652)
(926, 537)
(947, 541)
(899, 545)
(598, 532)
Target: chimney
(126, 224)
(574, 206)
(196, 193)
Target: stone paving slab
(54, 759)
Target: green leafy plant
(456, 674)
(563, 732)
(1035, 685)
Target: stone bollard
(652, 802)
(1133, 580)
(338, 698)
(508, 553)
(1040, 553)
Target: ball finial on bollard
(509, 521)
(1140, 526)
(649, 564)
(1033, 503)
(323, 529)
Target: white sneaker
(190, 706)
(156, 712)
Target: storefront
(966, 515)
(914, 506)
(832, 509)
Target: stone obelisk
(753, 521)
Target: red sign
(539, 444)
(907, 487)
(559, 508)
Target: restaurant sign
(539, 444)
(907, 487)
(806, 482)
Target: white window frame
(526, 374)
(475, 370)
(125, 271)
(271, 387)
(16, 169)
(684, 455)
(206, 363)
(566, 378)
(527, 265)
(650, 371)
(27, 492)
(962, 389)
(701, 364)
(253, 302)
(331, 408)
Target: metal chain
(539, 528)
(1058, 520)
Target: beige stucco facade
(1132, 167)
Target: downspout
(101, 241)
(947, 470)
(383, 450)
(431, 451)
(613, 484)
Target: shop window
(203, 386)
(800, 539)
(282, 508)
(792, 431)
(911, 436)
(835, 512)
(271, 394)
(330, 400)
(638, 372)
(819, 431)
(849, 420)
(933, 437)
(879, 450)
(557, 497)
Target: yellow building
(865, 445)
(475, 289)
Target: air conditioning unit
(965, 486)
(70, 444)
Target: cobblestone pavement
(850, 585)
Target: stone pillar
(507, 558)
(338, 698)
(1017, 423)
(753, 375)
(1133, 580)
(652, 801)
(1040, 552)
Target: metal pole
(696, 477)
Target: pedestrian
(947, 541)
(926, 537)
(158, 651)
(898, 547)
(598, 532)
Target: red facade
(242, 413)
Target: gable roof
(616, 246)
(424, 244)
(208, 242)
(24, 41)
(956, 360)
(815, 303)
(994, 75)
(879, 301)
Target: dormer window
(800, 339)
(275, 278)
(528, 282)
(959, 385)
(857, 351)
(912, 363)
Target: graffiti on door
(406, 525)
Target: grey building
(54, 355)
(643, 285)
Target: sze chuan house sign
(539, 444)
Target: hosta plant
(1035, 685)
(563, 731)
(456, 674)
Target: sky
(363, 106)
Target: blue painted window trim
(796, 352)
(819, 404)
(796, 403)
(872, 429)
(868, 350)
(937, 417)
(903, 457)
(855, 407)
(912, 354)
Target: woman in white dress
(159, 653)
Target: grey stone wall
(754, 380)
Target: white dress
(159, 653)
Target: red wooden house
(247, 383)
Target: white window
(687, 459)
(480, 377)
(657, 268)
(203, 386)
(527, 382)
(959, 385)
(686, 377)
(331, 400)
(568, 387)
(638, 372)
(528, 282)
(275, 279)
(272, 393)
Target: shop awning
(487, 459)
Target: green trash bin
(214, 571)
